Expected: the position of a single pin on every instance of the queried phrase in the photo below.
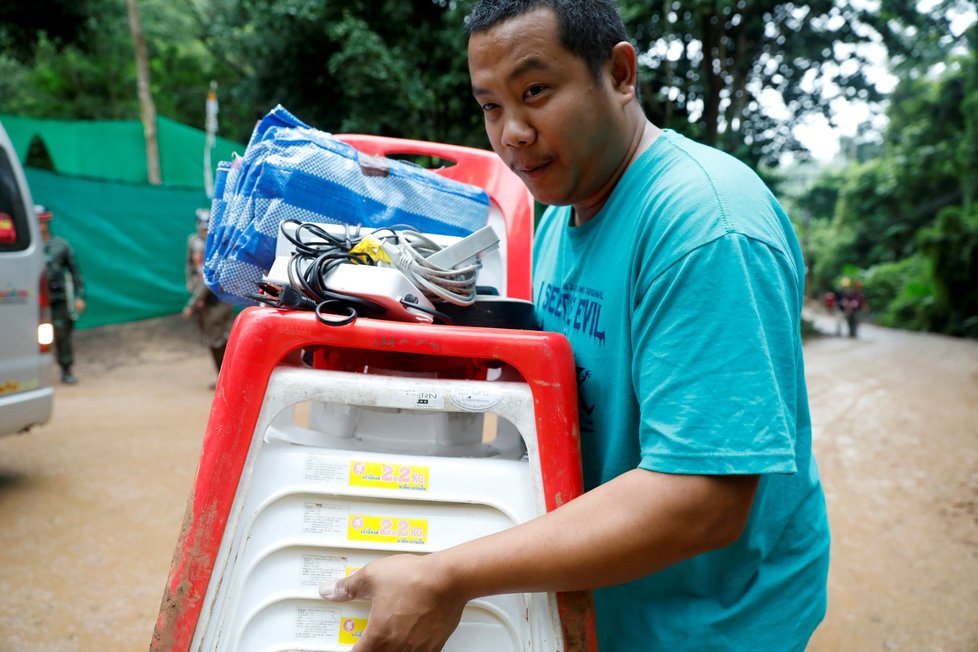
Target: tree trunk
(738, 95)
(147, 109)
(712, 79)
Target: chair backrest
(262, 338)
(484, 169)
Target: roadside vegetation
(896, 210)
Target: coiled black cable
(317, 253)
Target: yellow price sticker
(388, 476)
(383, 529)
(351, 629)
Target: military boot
(67, 377)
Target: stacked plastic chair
(329, 447)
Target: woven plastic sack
(292, 171)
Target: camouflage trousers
(214, 322)
(63, 327)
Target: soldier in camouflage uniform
(66, 291)
(213, 316)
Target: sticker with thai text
(320, 623)
(351, 629)
(388, 476)
(316, 569)
(325, 469)
(383, 529)
(323, 518)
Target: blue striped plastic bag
(292, 171)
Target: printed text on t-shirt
(579, 308)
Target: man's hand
(413, 605)
(629, 527)
(79, 306)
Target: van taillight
(8, 232)
(45, 329)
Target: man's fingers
(335, 591)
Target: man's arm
(71, 262)
(630, 527)
(77, 282)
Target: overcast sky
(821, 138)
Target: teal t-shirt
(682, 300)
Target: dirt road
(91, 503)
(895, 418)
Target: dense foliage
(398, 68)
(712, 61)
(380, 66)
(903, 216)
(907, 221)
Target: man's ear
(624, 70)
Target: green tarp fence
(130, 241)
(130, 238)
(114, 150)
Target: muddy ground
(91, 503)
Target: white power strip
(385, 286)
(491, 255)
(474, 245)
(395, 288)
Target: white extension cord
(442, 273)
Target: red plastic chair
(484, 169)
(263, 338)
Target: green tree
(25, 25)
(951, 246)
(709, 62)
(387, 67)
(910, 218)
(93, 76)
(398, 68)
(91, 79)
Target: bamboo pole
(147, 109)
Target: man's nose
(517, 132)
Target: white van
(26, 333)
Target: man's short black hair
(587, 28)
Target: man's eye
(534, 91)
(489, 107)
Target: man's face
(546, 115)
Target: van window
(15, 234)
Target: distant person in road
(853, 303)
(831, 302)
(213, 316)
(704, 524)
(66, 289)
